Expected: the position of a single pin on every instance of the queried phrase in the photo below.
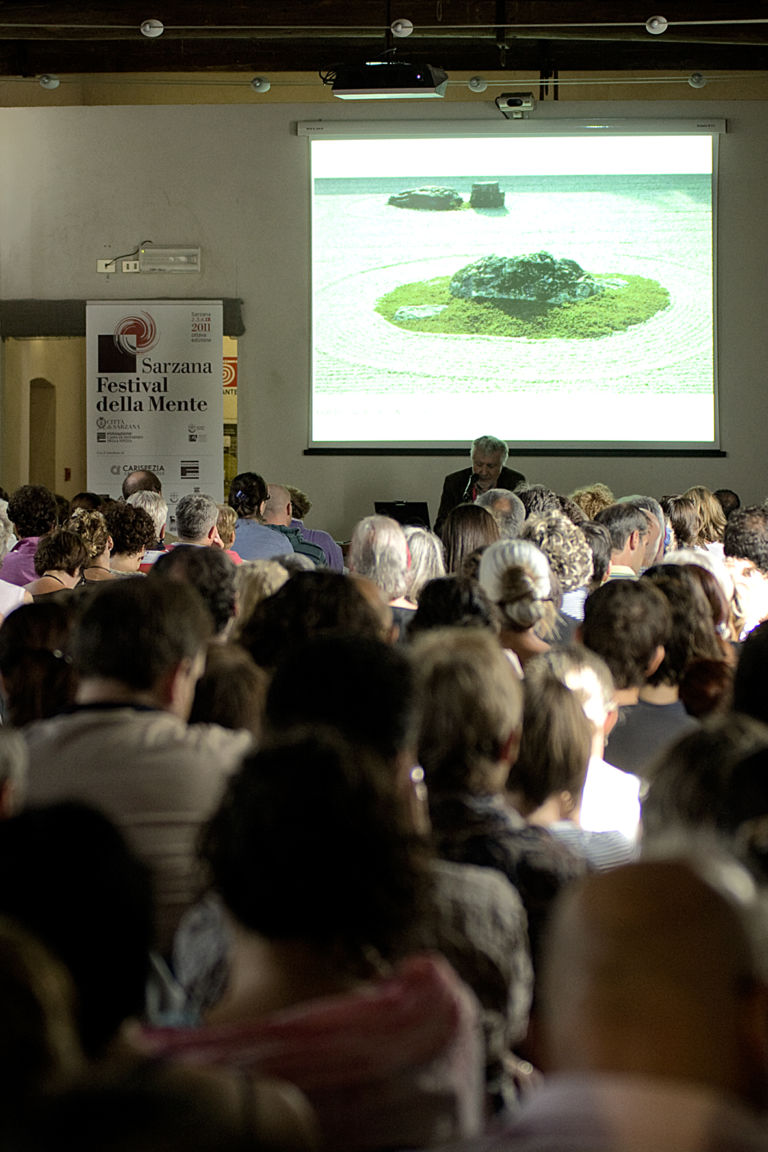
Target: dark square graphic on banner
(114, 359)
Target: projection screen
(552, 283)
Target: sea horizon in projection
(403, 353)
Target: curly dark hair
(33, 510)
(60, 551)
(309, 844)
(209, 571)
(131, 529)
(537, 499)
(247, 493)
(746, 535)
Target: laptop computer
(413, 512)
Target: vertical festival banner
(154, 395)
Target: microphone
(468, 490)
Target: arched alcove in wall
(42, 428)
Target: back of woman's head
(92, 529)
(684, 519)
(466, 528)
(427, 559)
(378, 550)
(564, 545)
(38, 678)
(60, 551)
(555, 743)
(247, 493)
(519, 604)
(505, 554)
(470, 705)
(309, 844)
(453, 602)
(712, 519)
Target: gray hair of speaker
(154, 504)
(427, 559)
(490, 445)
(378, 549)
(196, 514)
(506, 508)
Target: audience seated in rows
(471, 755)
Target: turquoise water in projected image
(658, 227)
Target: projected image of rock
(535, 295)
(429, 199)
(557, 287)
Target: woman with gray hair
(427, 559)
(378, 549)
(516, 577)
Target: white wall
(81, 183)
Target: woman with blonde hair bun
(92, 529)
(516, 576)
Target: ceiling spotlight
(260, 84)
(401, 27)
(49, 82)
(696, 80)
(656, 25)
(477, 84)
(151, 28)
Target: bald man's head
(649, 970)
(277, 510)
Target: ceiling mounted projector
(389, 80)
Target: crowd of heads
(440, 704)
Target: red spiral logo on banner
(136, 333)
(230, 372)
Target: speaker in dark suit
(488, 470)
